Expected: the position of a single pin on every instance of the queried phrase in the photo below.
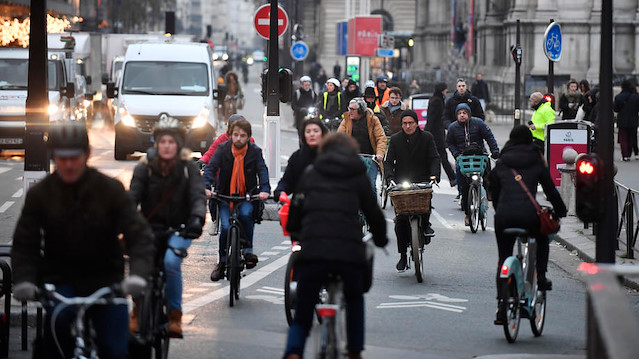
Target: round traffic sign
(299, 51)
(262, 21)
(552, 42)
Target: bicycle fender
(514, 268)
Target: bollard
(567, 188)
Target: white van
(164, 80)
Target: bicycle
(473, 167)
(332, 123)
(371, 160)
(81, 329)
(235, 245)
(523, 297)
(413, 200)
(330, 311)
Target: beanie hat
(369, 92)
(463, 106)
(520, 135)
(409, 113)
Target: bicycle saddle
(520, 232)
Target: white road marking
(20, 178)
(264, 259)
(281, 248)
(286, 242)
(423, 304)
(18, 194)
(269, 291)
(205, 284)
(281, 290)
(6, 206)
(111, 172)
(269, 253)
(269, 298)
(184, 296)
(197, 290)
(441, 219)
(4, 169)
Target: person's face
(381, 85)
(167, 147)
(345, 83)
(572, 87)
(369, 99)
(239, 137)
(409, 125)
(394, 99)
(306, 85)
(70, 169)
(461, 87)
(352, 88)
(330, 87)
(352, 111)
(312, 134)
(445, 91)
(462, 116)
(478, 77)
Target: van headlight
(53, 109)
(126, 117)
(201, 119)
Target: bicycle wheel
(234, 267)
(511, 325)
(384, 192)
(538, 316)
(415, 248)
(483, 210)
(290, 286)
(473, 204)
(161, 333)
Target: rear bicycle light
(327, 310)
(504, 269)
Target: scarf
(238, 183)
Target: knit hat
(409, 113)
(462, 106)
(520, 135)
(369, 92)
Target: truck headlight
(126, 117)
(201, 119)
(53, 109)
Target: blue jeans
(173, 268)
(246, 218)
(111, 324)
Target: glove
(201, 164)
(193, 228)
(25, 291)
(276, 195)
(133, 285)
(495, 155)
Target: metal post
(606, 226)
(272, 118)
(517, 82)
(551, 75)
(36, 160)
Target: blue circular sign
(552, 42)
(299, 51)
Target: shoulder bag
(549, 224)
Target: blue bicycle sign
(552, 42)
(299, 51)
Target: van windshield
(14, 74)
(165, 78)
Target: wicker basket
(411, 202)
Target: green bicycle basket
(472, 164)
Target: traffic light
(286, 85)
(264, 85)
(588, 187)
(550, 98)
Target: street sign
(362, 34)
(352, 67)
(262, 21)
(386, 41)
(299, 51)
(384, 52)
(552, 42)
(342, 38)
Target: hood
(154, 105)
(573, 96)
(519, 156)
(339, 162)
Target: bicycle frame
(332, 318)
(522, 268)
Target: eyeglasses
(409, 123)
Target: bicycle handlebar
(104, 295)
(236, 199)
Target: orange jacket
(384, 97)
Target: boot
(403, 263)
(175, 323)
(133, 318)
(500, 315)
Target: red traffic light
(548, 98)
(585, 167)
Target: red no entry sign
(262, 21)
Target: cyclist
(513, 207)
(168, 187)
(325, 210)
(331, 103)
(67, 234)
(365, 128)
(382, 92)
(234, 99)
(240, 164)
(464, 135)
(393, 109)
(303, 98)
(412, 156)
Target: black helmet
(169, 126)
(68, 139)
(382, 78)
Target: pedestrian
(414, 88)
(303, 98)
(589, 100)
(369, 97)
(627, 106)
(570, 100)
(393, 109)
(351, 91)
(514, 209)
(542, 116)
(381, 90)
(321, 77)
(68, 234)
(462, 95)
(170, 191)
(337, 70)
(331, 103)
(435, 126)
(313, 72)
(326, 211)
(480, 90)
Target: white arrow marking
(268, 298)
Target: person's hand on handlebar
(264, 196)
(495, 155)
(379, 158)
(209, 193)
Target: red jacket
(211, 151)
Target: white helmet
(305, 79)
(334, 81)
(369, 83)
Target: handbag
(549, 223)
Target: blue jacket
(254, 168)
(478, 132)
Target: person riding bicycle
(325, 210)
(68, 235)
(169, 189)
(513, 207)
(412, 156)
(234, 99)
(331, 103)
(303, 98)
(365, 128)
(468, 134)
(241, 165)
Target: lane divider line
(6, 206)
(18, 194)
(441, 219)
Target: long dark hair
(628, 86)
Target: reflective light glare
(201, 119)
(53, 109)
(87, 103)
(589, 268)
(475, 177)
(586, 168)
(17, 30)
(128, 120)
(249, 61)
(405, 185)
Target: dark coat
(185, 187)
(513, 207)
(254, 168)
(480, 90)
(478, 133)
(302, 100)
(413, 163)
(435, 122)
(80, 224)
(334, 190)
(627, 105)
(394, 119)
(451, 105)
(335, 105)
(569, 103)
(297, 163)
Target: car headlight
(126, 117)
(215, 57)
(201, 119)
(53, 109)
(86, 103)
(225, 57)
(249, 61)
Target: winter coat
(349, 95)
(480, 90)
(478, 132)
(394, 119)
(543, 115)
(303, 100)
(80, 224)
(380, 115)
(412, 163)
(435, 123)
(451, 105)
(331, 104)
(184, 186)
(569, 103)
(206, 157)
(334, 190)
(375, 131)
(513, 207)
(297, 163)
(254, 169)
(627, 105)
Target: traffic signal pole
(272, 119)
(607, 224)
(551, 75)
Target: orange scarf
(238, 183)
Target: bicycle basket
(411, 201)
(472, 164)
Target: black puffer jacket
(451, 105)
(512, 205)
(627, 105)
(298, 161)
(334, 190)
(184, 186)
(80, 224)
(414, 162)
